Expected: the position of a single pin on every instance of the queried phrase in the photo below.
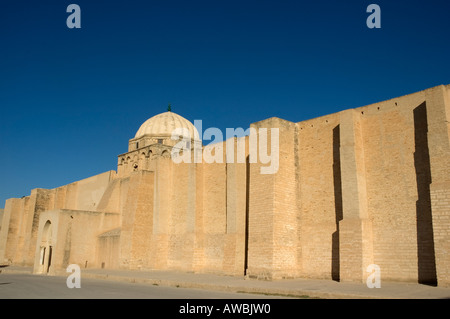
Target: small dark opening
(50, 249)
(43, 256)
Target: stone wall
(18, 235)
(72, 238)
(366, 185)
(1, 217)
(363, 186)
(319, 196)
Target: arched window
(165, 154)
(46, 246)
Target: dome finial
(169, 108)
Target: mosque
(364, 186)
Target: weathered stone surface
(364, 186)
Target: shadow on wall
(426, 265)
(426, 262)
(335, 258)
(247, 201)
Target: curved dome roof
(165, 123)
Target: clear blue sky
(70, 99)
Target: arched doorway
(46, 245)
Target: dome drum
(160, 128)
(154, 140)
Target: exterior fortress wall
(371, 187)
(363, 186)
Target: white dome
(162, 125)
